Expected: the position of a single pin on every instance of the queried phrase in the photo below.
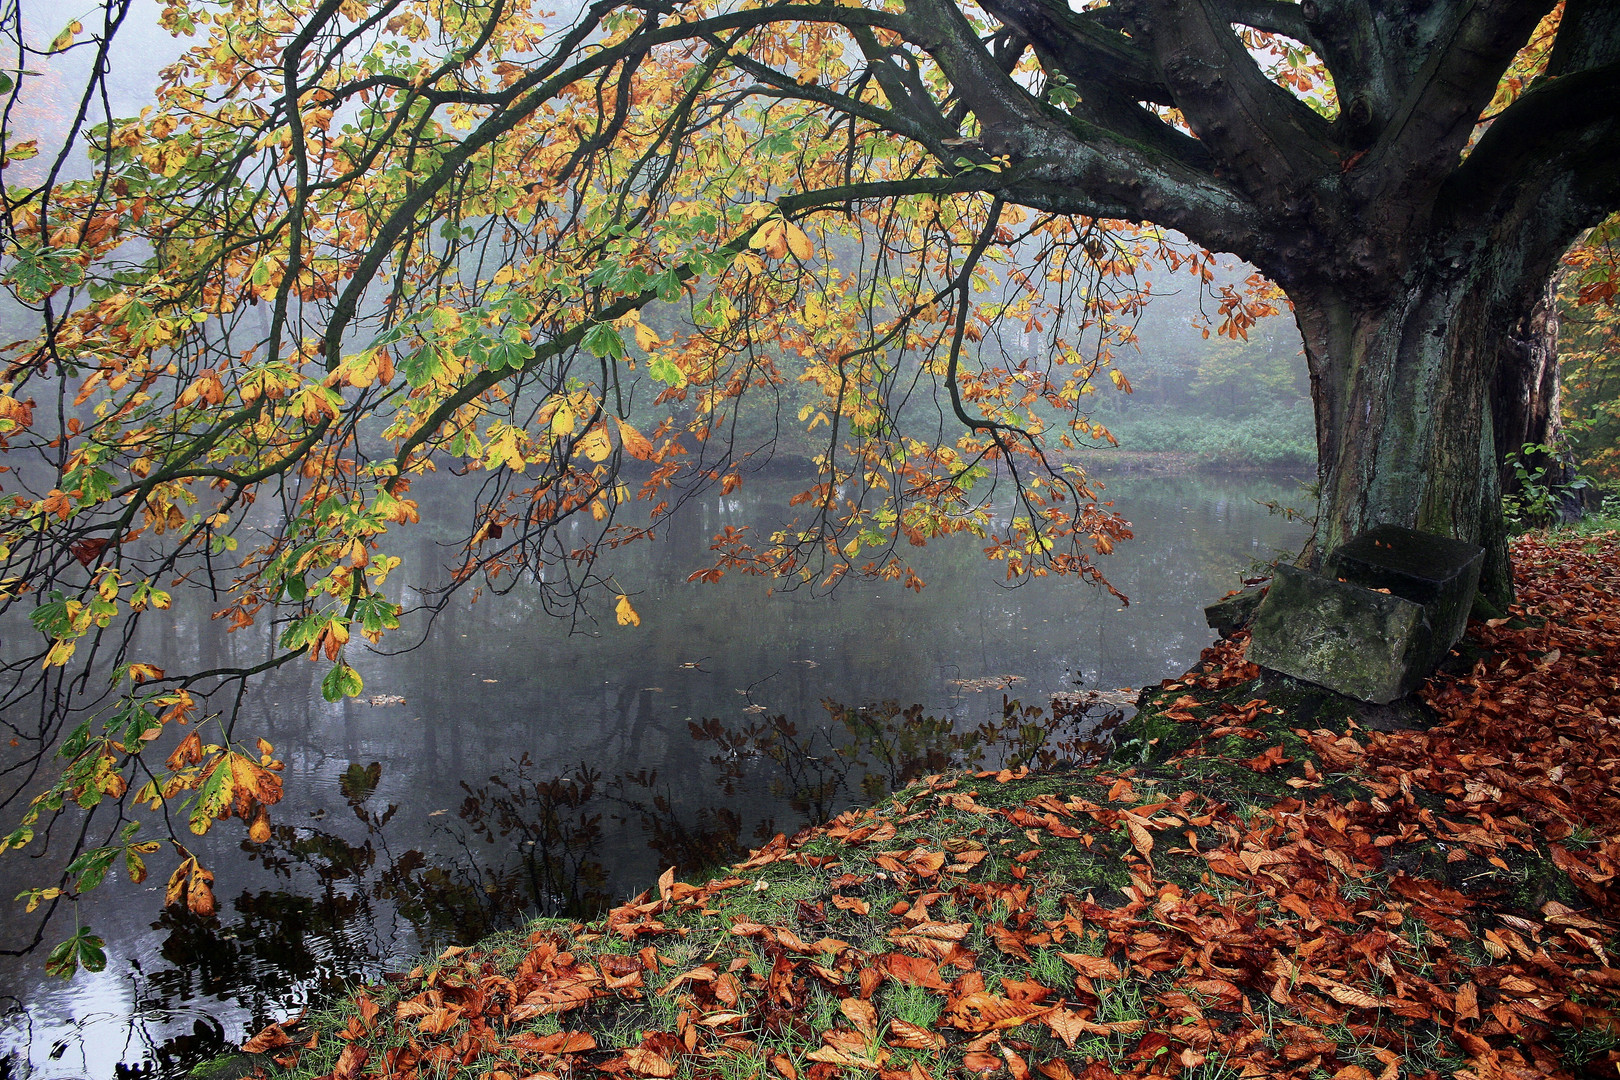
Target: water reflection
(506, 766)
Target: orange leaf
(910, 970)
(350, 1062)
(648, 1063)
(1349, 995)
(1467, 1002)
(1141, 839)
(271, 1038)
(909, 1036)
(1069, 1025)
(1092, 967)
(861, 1014)
(635, 443)
(439, 1020)
(989, 1012)
(980, 1062)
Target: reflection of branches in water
(710, 836)
(871, 750)
(556, 850)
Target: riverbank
(1264, 879)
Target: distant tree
(1589, 351)
(351, 242)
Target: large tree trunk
(1402, 387)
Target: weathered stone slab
(1393, 603)
(1230, 614)
(1438, 572)
(1355, 641)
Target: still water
(508, 765)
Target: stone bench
(1390, 605)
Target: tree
(353, 242)
(1589, 350)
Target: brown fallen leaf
(861, 1014)
(908, 1036)
(271, 1038)
(1092, 967)
(648, 1063)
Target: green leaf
(92, 866)
(509, 354)
(604, 341)
(5, 83)
(39, 272)
(341, 682)
(422, 366)
(666, 370)
(83, 949)
(296, 588)
(669, 286)
(214, 796)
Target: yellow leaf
(798, 242)
(61, 652)
(625, 613)
(772, 238)
(646, 337)
(562, 421)
(595, 444)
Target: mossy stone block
(1230, 614)
(1438, 572)
(1353, 640)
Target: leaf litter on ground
(1259, 883)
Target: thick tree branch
(1109, 73)
(1435, 115)
(1274, 17)
(1069, 164)
(1551, 153)
(1275, 145)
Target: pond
(507, 766)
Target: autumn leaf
(647, 1063)
(989, 1012)
(558, 1042)
(797, 242)
(861, 1014)
(1092, 967)
(911, 970)
(350, 1062)
(908, 1036)
(1141, 839)
(438, 1020)
(595, 444)
(979, 1063)
(634, 442)
(273, 1037)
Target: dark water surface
(530, 769)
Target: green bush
(1282, 438)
